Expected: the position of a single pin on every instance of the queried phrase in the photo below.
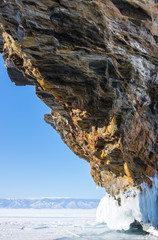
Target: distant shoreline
(48, 203)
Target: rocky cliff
(95, 64)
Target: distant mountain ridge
(49, 203)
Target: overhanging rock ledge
(95, 64)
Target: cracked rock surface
(95, 64)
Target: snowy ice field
(58, 224)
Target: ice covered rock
(119, 212)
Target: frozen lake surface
(58, 224)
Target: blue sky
(34, 162)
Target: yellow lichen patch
(14, 48)
(107, 162)
(44, 85)
(110, 147)
(128, 172)
(78, 112)
(111, 128)
(77, 116)
(40, 80)
(36, 73)
(102, 131)
(11, 45)
(104, 153)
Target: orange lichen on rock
(127, 172)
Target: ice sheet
(59, 224)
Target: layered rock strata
(95, 64)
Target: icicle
(148, 202)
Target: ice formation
(148, 201)
(153, 231)
(118, 213)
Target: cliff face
(95, 64)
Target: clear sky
(34, 162)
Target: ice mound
(132, 206)
(148, 201)
(119, 212)
(153, 231)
